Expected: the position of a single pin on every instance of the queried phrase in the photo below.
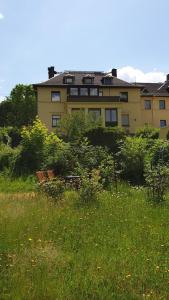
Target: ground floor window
(163, 123)
(125, 120)
(95, 113)
(111, 117)
(55, 120)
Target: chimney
(167, 77)
(114, 72)
(51, 72)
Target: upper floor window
(88, 79)
(55, 96)
(163, 123)
(83, 91)
(93, 92)
(55, 120)
(162, 104)
(147, 104)
(68, 79)
(125, 120)
(107, 80)
(124, 96)
(74, 91)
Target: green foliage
(90, 187)
(10, 136)
(36, 145)
(148, 132)
(7, 158)
(107, 171)
(54, 188)
(158, 153)
(19, 108)
(157, 180)
(73, 126)
(106, 137)
(132, 158)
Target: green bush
(7, 158)
(54, 188)
(157, 180)
(106, 137)
(90, 187)
(132, 159)
(159, 153)
(148, 132)
(107, 171)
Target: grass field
(117, 248)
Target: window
(93, 92)
(84, 92)
(162, 104)
(100, 93)
(69, 80)
(111, 117)
(88, 80)
(124, 96)
(74, 91)
(107, 80)
(147, 104)
(55, 120)
(163, 123)
(55, 96)
(95, 113)
(125, 120)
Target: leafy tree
(19, 108)
(73, 126)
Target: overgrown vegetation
(67, 251)
(79, 244)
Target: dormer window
(88, 79)
(107, 80)
(69, 79)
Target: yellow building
(116, 101)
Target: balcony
(98, 99)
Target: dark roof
(155, 89)
(58, 79)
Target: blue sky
(131, 35)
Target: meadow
(115, 248)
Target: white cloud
(2, 98)
(1, 16)
(131, 74)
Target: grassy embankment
(116, 249)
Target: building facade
(117, 102)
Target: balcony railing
(97, 99)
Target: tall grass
(115, 249)
(19, 185)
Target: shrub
(37, 144)
(148, 132)
(132, 159)
(157, 180)
(106, 137)
(107, 171)
(90, 187)
(10, 136)
(54, 189)
(7, 158)
(158, 153)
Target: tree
(19, 108)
